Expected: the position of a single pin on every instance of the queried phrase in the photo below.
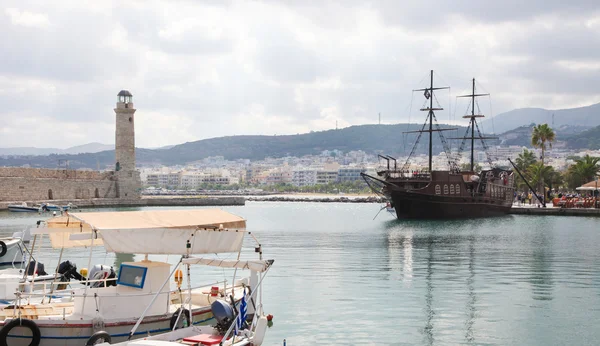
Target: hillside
(586, 117)
(387, 139)
(589, 139)
(85, 148)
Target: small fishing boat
(90, 314)
(24, 208)
(54, 207)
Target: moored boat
(24, 208)
(142, 287)
(11, 250)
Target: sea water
(341, 277)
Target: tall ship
(445, 194)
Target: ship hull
(410, 205)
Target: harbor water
(341, 277)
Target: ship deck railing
(409, 175)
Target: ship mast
(428, 93)
(473, 123)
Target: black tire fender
(185, 314)
(97, 336)
(21, 322)
(4, 248)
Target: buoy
(178, 277)
(269, 317)
(214, 291)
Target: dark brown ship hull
(410, 205)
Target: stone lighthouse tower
(128, 179)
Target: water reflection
(400, 254)
(541, 266)
(471, 298)
(429, 312)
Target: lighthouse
(128, 179)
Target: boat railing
(71, 292)
(409, 175)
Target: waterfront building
(350, 173)
(304, 177)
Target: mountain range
(574, 128)
(587, 117)
(85, 148)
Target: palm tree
(525, 159)
(584, 170)
(523, 163)
(541, 135)
(539, 172)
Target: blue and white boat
(24, 208)
(54, 207)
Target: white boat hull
(77, 333)
(14, 251)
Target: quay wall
(27, 184)
(556, 211)
(143, 202)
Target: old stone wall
(53, 173)
(25, 184)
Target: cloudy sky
(202, 69)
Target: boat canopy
(256, 265)
(61, 228)
(160, 231)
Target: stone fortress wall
(34, 184)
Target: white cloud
(210, 69)
(26, 18)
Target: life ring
(185, 313)
(97, 336)
(4, 248)
(21, 322)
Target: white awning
(159, 231)
(167, 241)
(61, 228)
(189, 218)
(259, 266)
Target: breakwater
(555, 211)
(368, 199)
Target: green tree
(584, 170)
(542, 134)
(525, 159)
(523, 162)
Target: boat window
(437, 190)
(445, 189)
(457, 189)
(132, 276)
(451, 189)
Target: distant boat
(23, 207)
(53, 207)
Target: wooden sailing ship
(451, 193)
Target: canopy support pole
(139, 321)
(87, 280)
